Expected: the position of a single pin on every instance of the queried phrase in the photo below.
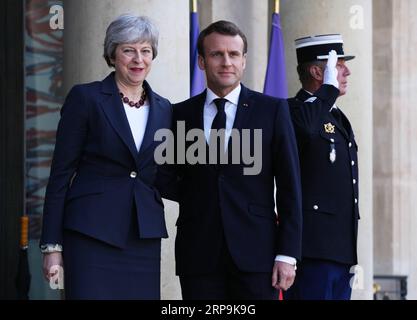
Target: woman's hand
(52, 265)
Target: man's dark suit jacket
(221, 206)
(330, 189)
(97, 174)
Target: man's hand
(283, 275)
(330, 73)
(50, 263)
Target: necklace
(138, 104)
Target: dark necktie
(219, 122)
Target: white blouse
(138, 119)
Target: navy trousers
(320, 280)
(228, 282)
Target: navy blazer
(329, 188)
(97, 174)
(219, 204)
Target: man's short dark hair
(303, 70)
(222, 27)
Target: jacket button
(356, 200)
(133, 174)
(316, 207)
(354, 181)
(350, 144)
(353, 163)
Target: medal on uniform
(329, 127)
(332, 154)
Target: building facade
(60, 45)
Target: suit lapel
(197, 120)
(340, 126)
(154, 118)
(114, 111)
(244, 109)
(197, 117)
(346, 126)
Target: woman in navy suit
(103, 217)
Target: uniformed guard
(329, 171)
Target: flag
(197, 83)
(23, 276)
(275, 80)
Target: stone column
(395, 144)
(383, 140)
(404, 154)
(353, 19)
(85, 25)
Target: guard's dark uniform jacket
(329, 174)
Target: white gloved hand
(330, 73)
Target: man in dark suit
(329, 171)
(230, 243)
